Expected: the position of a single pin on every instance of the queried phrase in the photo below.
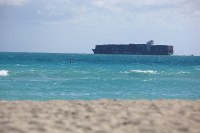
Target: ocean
(51, 76)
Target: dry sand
(100, 116)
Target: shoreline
(100, 116)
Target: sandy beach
(100, 116)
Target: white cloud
(13, 2)
(144, 12)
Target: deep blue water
(45, 76)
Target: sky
(76, 26)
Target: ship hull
(134, 49)
(132, 53)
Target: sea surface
(49, 76)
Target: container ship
(137, 49)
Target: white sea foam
(79, 94)
(20, 65)
(146, 80)
(142, 71)
(197, 68)
(182, 72)
(4, 72)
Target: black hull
(134, 49)
(132, 53)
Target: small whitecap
(146, 80)
(79, 94)
(126, 72)
(142, 71)
(197, 68)
(4, 72)
(21, 65)
(182, 72)
(115, 78)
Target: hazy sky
(76, 26)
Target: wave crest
(4, 72)
(182, 72)
(142, 71)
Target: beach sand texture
(100, 116)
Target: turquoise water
(42, 76)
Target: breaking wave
(182, 72)
(197, 68)
(142, 71)
(4, 72)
